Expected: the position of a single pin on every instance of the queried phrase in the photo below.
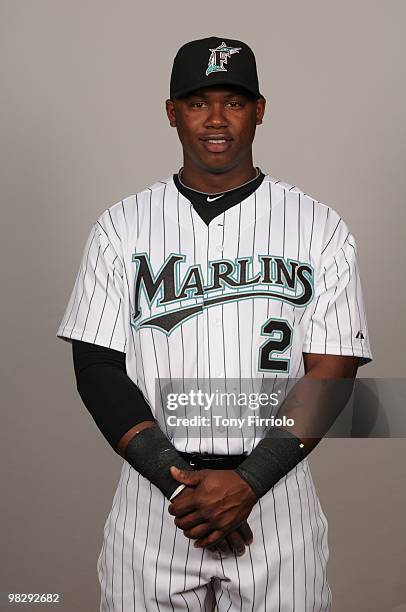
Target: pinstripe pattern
(145, 563)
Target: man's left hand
(215, 503)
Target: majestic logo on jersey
(168, 286)
(219, 57)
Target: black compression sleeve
(114, 401)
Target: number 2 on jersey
(280, 332)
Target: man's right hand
(233, 542)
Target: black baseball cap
(214, 61)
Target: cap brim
(204, 84)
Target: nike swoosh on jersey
(209, 199)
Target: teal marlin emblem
(219, 56)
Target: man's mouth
(216, 144)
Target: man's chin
(218, 165)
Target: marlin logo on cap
(219, 56)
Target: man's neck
(210, 182)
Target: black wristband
(273, 457)
(152, 454)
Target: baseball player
(217, 277)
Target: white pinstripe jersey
(190, 301)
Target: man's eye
(234, 103)
(198, 104)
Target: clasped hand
(213, 509)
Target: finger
(212, 549)
(189, 521)
(235, 542)
(191, 478)
(213, 538)
(200, 531)
(183, 506)
(222, 546)
(246, 533)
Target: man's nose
(216, 116)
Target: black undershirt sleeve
(112, 398)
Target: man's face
(216, 126)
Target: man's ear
(170, 111)
(260, 110)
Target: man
(219, 276)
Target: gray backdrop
(83, 85)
